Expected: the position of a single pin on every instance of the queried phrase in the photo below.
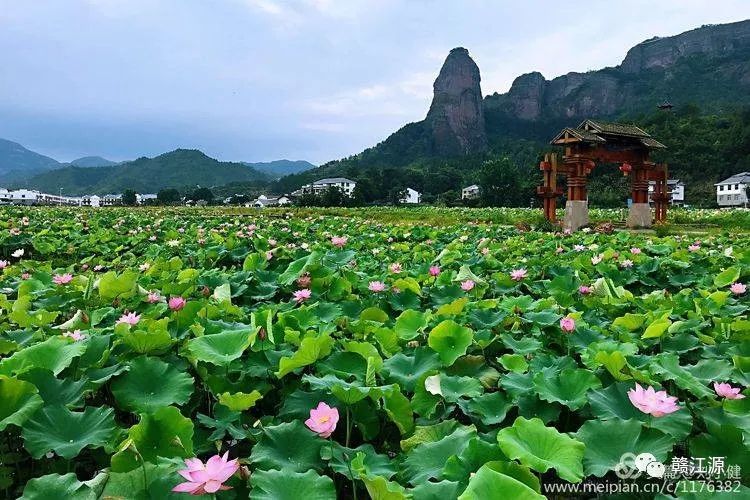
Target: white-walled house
(732, 192)
(4, 195)
(263, 201)
(470, 192)
(676, 188)
(91, 201)
(411, 196)
(341, 183)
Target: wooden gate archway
(594, 142)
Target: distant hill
(92, 161)
(176, 169)
(280, 168)
(17, 162)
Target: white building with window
(732, 192)
(411, 196)
(341, 183)
(676, 191)
(470, 192)
(264, 201)
(4, 196)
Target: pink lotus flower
(176, 303)
(395, 268)
(635, 250)
(129, 319)
(62, 279)
(302, 295)
(656, 403)
(694, 247)
(579, 248)
(627, 263)
(376, 286)
(596, 259)
(75, 335)
(208, 478)
(323, 420)
(153, 297)
(4, 264)
(559, 250)
(339, 241)
(518, 274)
(485, 251)
(25, 276)
(738, 288)
(584, 290)
(269, 255)
(467, 285)
(434, 270)
(567, 324)
(727, 391)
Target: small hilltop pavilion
(592, 143)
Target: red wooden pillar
(549, 191)
(577, 181)
(639, 184)
(661, 193)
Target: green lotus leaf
(18, 401)
(57, 429)
(406, 370)
(428, 434)
(55, 391)
(111, 285)
(722, 441)
(667, 365)
(450, 340)
(477, 453)
(164, 433)
(542, 448)
(291, 485)
(568, 387)
(426, 461)
(489, 484)
(56, 486)
(54, 354)
(606, 441)
(222, 348)
(398, 409)
(239, 401)
(373, 463)
(151, 384)
(436, 491)
(491, 408)
(727, 277)
(310, 350)
(410, 324)
(378, 487)
(514, 363)
(289, 446)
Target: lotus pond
(161, 353)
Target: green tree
(500, 185)
(129, 197)
(203, 193)
(169, 196)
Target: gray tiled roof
(333, 180)
(741, 178)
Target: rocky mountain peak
(456, 117)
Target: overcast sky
(258, 80)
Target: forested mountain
(17, 162)
(182, 167)
(704, 73)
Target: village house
(411, 196)
(263, 201)
(732, 192)
(341, 183)
(470, 192)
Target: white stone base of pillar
(576, 215)
(639, 215)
